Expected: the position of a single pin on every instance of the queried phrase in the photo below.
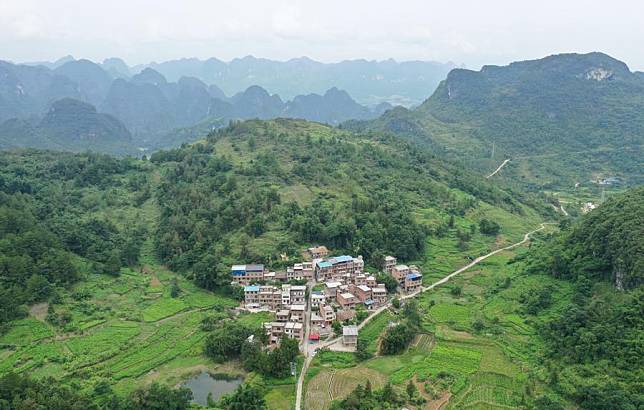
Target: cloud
(470, 31)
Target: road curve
(309, 357)
(499, 168)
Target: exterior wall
(390, 262)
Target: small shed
(350, 335)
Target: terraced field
(332, 384)
(121, 329)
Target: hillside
(69, 125)
(593, 342)
(98, 250)
(561, 120)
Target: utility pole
(492, 156)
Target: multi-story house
(399, 272)
(300, 271)
(276, 330)
(413, 281)
(298, 294)
(294, 330)
(247, 274)
(379, 295)
(327, 313)
(347, 301)
(270, 296)
(331, 290)
(283, 315)
(317, 299)
(362, 293)
(338, 267)
(390, 262)
(251, 294)
(297, 313)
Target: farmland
(477, 347)
(120, 329)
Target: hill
(69, 125)
(562, 119)
(592, 342)
(111, 265)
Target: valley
(347, 258)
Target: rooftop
(341, 259)
(297, 307)
(364, 288)
(324, 264)
(413, 276)
(251, 288)
(347, 295)
(349, 330)
(255, 268)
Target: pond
(205, 383)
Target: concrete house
(362, 292)
(347, 301)
(247, 274)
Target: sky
(466, 32)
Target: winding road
(309, 357)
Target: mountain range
(148, 105)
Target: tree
(488, 227)
(245, 397)
(113, 264)
(395, 302)
(225, 342)
(159, 397)
(411, 389)
(175, 290)
(456, 291)
(361, 351)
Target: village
(329, 290)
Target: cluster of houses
(343, 287)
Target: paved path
(309, 357)
(499, 168)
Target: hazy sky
(463, 31)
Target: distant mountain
(27, 91)
(564, 118)
(69, 125)
(369, 82)
(332, 108)
(150, 106)
(93, 82)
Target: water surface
(217, 384)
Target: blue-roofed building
(338, 267)
(247, 274)
(413, 281)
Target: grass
(371, 332)
(26, 331)
(481, 369)
(122, 334)
(163, 308)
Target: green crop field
(372, 330)
(481, 366)
(117, 333)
